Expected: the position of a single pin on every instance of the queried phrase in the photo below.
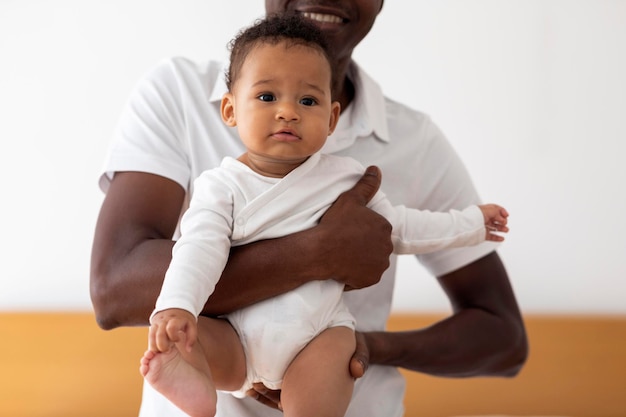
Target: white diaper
(275, 330)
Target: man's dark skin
(132, 248)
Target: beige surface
(63, 365)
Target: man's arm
(485, 336)
(132, 250)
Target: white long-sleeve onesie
(232, 205)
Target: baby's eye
(308, 101)
(266, 97)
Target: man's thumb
(367, 186)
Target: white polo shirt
(172, 127)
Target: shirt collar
(365, 116)
(369, 107)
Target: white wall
(532, 94)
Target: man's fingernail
(371, 171)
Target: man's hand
(361, 359)
(357, 240)
(264, 395)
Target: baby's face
(281, 102)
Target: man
(171, 131)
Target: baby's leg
(223, 351)
(186, 378)
(318, 381)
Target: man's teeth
(324, 18)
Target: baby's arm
(496, 218)
(171, 326)
(422, 231)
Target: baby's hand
(171, 326)
(495, 221)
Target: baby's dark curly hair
(288, 27)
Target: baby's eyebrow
(312, 86)
(316, 88)
(260, 82)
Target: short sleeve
(149, 131)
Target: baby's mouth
(286, 135)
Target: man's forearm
(282, 264)
(470, 343)
(484, 336)
(132, 284)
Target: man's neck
(344, 92)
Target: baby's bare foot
(189, 388)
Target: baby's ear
(335, 110)
(227, 109)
